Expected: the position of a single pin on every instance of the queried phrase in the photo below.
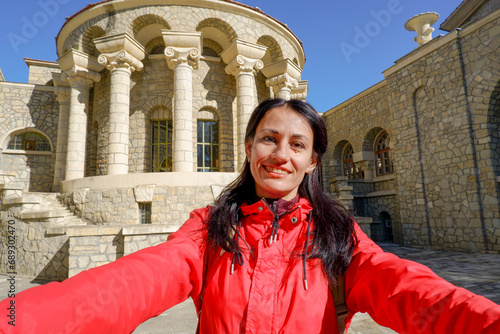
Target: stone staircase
(36, 206)
(49, 208)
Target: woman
(261, 259)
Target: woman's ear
(312, 165)
(248, 149)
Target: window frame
(384, 164)
(28, 146)
(349, 167)
(214, 165)
(168, 146)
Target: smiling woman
(280, 153)
(262, 259)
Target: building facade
(419, 151)
(142, 118)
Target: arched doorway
(386, 220)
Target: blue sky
(341, 62)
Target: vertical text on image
(11, 271)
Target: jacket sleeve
(409, 298)
(117, 297)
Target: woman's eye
(269, 139)
(298, 145)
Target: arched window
(161, 145)
(29, 141)
(383, 158)
(161, 139)
(207, 141)
(351, 169)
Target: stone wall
(90, 247)
(439, 106)
(38, 254)
(27, 106)
(40, 73)
(170, 205)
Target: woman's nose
(281, 152)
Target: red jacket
(264, 295)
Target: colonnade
(121, 54)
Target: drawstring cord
(276, 221)
(237, 254)
(305, 251)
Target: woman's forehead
(284, 118)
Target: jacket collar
(261, 207)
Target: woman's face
(280, 153)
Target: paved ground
(479, 273)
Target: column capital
(120, 59)
(242, 64)
(300, 92)
(78, 65)
(120, 51)
(182, 47)
(62, 90)
(63, 94)
(178, 55)
(78, 74)
(242, 56)
(282, 81)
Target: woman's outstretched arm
(117, 297)
(409, 298)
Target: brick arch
(155, 46)
(273, 52)
(338, 149)
(212, 45)
(159, 112)
(369, 139)
(147, 27)
(145, 20)
(210, 109)
(87, 42)
(217, 30)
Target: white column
(246, 103)
(63, 97)
(183, 50)
(244, 60)
(81, 70)
(77, 127)
(121, 55)
(121, 65)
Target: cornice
(102, 8)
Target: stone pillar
(244, 60)
(81, 70)
(121, 55)
(63, 97)
(183, 51)
(77, 125)
(283, 76)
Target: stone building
(140, 120)
(419, 152)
